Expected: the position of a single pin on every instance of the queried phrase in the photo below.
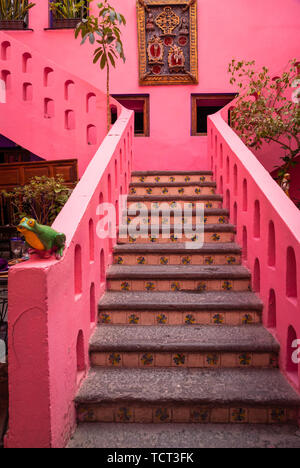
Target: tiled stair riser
(179, 285)
(155, 179)
(208, 360)
(173, 220)
(191, 259)
(187, 318)
(208, 203)
(186, 414)
(209, 237)
(176, 191)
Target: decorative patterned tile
(162, 319)
(190, 319)
(212, 360)
(119, 261)
(230, 260)
(227, 285)
(239, 415)
(114, 359)
(201, 286)
(86, 415)
(162, 415)
(200, 415)
(208, 260)
(175, 286)
(164, 260)
(277, 415)
(179, 360)
(133, 319)
(125, 286)
(247, 319)
(150, 286)
(147, 359)
(218, 319)
(105, 318)
(124, 415)
(141, 260)
(245, 359)
(216, 237)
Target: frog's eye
(31, 222)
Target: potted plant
(67, 13)
(42, 198)
(13, 13)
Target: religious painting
(167, 33)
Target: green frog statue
(42, 239)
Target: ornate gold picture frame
(167, 41)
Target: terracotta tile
(147, 318)
(228, 360)
(104, 414)
(292, 414)
(261, 360)
(195, 360)
(119, 318)
(220, 415)
(175, 318)
(163, 360)
(163, 286)
(258, 416)
(181, 415)
(213, 285)
(203, 318)
(232, 318)
(153, 259)
(143, 415)
(98, 359)
(130, 360)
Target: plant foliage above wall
(42, 199)
(14, 10)
(103, 31)
(68, 9)
(268, 109)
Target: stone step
(213, 233)
(184, 436)
(177, 254)
(211, 216)
(172, 176)
(208, 308)
(174, 189)
(197, 347)
(178, 278)
(174, 201)
(187, 396)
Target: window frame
(51, 18)
(206, 96)
(138, 97)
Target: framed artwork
(167, 41)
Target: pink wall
(53, 304)
(47, 110)
(268, 229)
(267, 31)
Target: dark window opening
(140, 105)
(114, 115)
(204, 105)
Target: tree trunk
(108, 100)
